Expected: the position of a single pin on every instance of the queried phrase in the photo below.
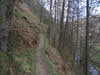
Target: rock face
(5, 21)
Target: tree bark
(51, 1)
(49, 26)
(6, 7)
(55, 10)
(61, 26)
(86, 42)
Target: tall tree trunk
(51, 1)
(86, 42)
(61, 26)
(66, 29)
(41, 12)
(6, 7)
(49, 26)
(55, 10)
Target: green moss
(26, 60)
(3, 58)
(20, 61)
(4, 63)
(17, 14)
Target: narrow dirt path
(40, 67)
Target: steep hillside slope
(23, 38)
(22, 41)
(25, 25)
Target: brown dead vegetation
(54, 56)
(22, 30)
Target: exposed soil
(40, 67)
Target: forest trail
(40, 67)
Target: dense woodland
(49, 37)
